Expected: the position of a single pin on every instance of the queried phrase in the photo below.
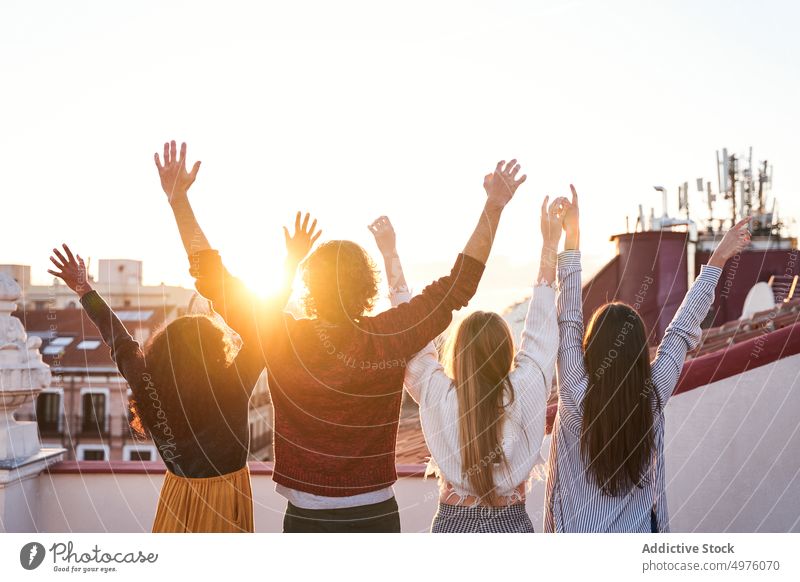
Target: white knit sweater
(524, 425)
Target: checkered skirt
(481, 519)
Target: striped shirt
(574, 503)
(524, 424)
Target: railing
(92, 427)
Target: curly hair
(186, 359)
(341, 282)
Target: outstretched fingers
(574, 195)
(69, 253)
(61, 258)
(59, 265)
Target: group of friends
(336, 378)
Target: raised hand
(72, 270)
(299, 244)
(571, 222)
(734, 241)
(502, 183)
(552, 220)
(383, 231)
(175, 180)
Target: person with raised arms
(606, 463)
(336, 376)
(483, 415)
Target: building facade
(85, 409)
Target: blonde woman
(484, 415)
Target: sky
(352, 110)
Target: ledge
(727, 361)
(257, 468)
(740, 357)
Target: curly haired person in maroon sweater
(336, 376)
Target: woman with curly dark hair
(191, 384)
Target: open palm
(300, 244)
(71, 270)
(175, 180)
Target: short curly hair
(341, 280)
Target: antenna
(663, 197)
(686, 198)
(724, 185)
(731, 167)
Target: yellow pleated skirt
(221, 504)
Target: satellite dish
(759, 298)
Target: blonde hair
(479, 356)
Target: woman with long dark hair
(483, 413)
(606, 464)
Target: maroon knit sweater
(336, 389)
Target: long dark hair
(480, 355)
(617, 437)
(185, 360)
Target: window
(139, 453)
(127, 315)
(88, 345)
(48, 412)
(94, 410)
(92, 452)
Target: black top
(220, 444)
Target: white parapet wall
(733, 453)
(732, 459)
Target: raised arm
(298, 245)
(385, 238)
(500, 187)
(424, 374)
(408, 327)
(535, 361)
(125, 351)
(248, 314)
(176, 181)
(572, 380)
(683, 333)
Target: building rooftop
(71, 342)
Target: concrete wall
(733, 453)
